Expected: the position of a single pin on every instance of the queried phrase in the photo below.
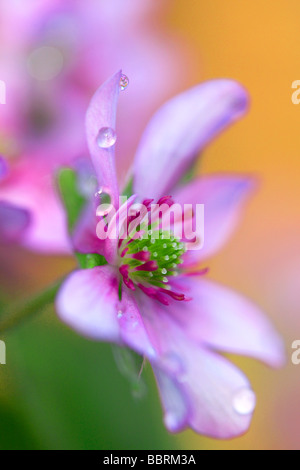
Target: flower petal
(180, 130)
(102, 114)
(224, 198)
(223, 320)
(198, 387)
(89, 302)
(203, 397)
(30, 187)
(85, 239)
(3, 168)
(13, 222)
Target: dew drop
(106, 137)
(164, 271)
(164, 245)
(124, 82)
(155, 254)
(145, 249)
(167, 258)
(171, 421)
(244, 401)
(105, 199)
(165, 280)
(120, 314)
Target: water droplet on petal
(105, 198)
(244, 401)
(120, 314)
(171, 421)
(151, 352)
(124, 82)
(106, 137)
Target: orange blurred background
(258, 43)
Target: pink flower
(13, 221)
(179, 323)
(51, 68)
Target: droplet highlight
(124, 82)
(105, 206)
(244, 401)
(171, 421)
(106, 137)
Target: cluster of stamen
(151, 257)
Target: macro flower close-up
(148, 228)
(146, 292)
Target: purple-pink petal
(13, 222)
(101, 114)
(198, 387)
(85, 238)
(180, 130)
(3, 168)
(203, 396)
(31, 188)
(224, 198)
(225, 321)
(89, 302)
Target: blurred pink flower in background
(53, 55)
(13, 221)
(177, 322)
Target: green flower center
(152, 259)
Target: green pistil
(164, 249)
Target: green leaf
(128, 190)
(90, 261)
(73, 200)
(190, 173)
(69, 394)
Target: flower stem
(16, 313)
